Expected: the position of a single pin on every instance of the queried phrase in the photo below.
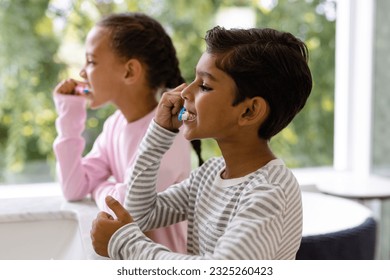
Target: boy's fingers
(180, 87)
(104, 215)
(118, 209)
(177, 107)
(176, 103)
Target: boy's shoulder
(276, 176)
(211, 166)
(212, 162)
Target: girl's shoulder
(116, 118)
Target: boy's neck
(243, 159)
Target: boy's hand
(104, 226)
(168, 109)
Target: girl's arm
(77, 175)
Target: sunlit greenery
(41, 42)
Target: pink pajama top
(104, 170)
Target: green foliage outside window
(35, 54)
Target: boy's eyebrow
(205, 74)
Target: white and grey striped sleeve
(148, 208)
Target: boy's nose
(185, 92)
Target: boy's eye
(203, 87)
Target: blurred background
(42, 42)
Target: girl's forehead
(97, 40)
(97, 35)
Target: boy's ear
(133, 70)
(255, 110)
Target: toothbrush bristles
(185, 116)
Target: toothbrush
(82, 89)
(183, 114)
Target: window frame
(353, 86)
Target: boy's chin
(191, 136)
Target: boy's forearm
(142, 194)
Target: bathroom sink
(40, 236)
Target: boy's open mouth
(185, 115)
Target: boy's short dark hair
(266, 63)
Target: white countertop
(322, 213)
(46, 198)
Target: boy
(249, 85)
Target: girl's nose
(82, 74)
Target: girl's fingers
(68, 86)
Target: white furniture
(41, 236)
(372, 191)
(41, 203)
(336, 229)
(323, 214)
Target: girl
(130, 60)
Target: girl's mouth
(184, 115)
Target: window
(360, 112)
(381, 97)
(38, 38)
